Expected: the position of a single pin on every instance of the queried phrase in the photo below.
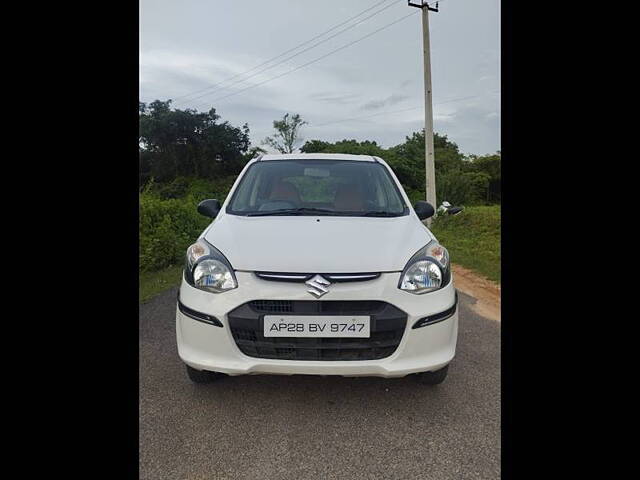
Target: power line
(362, 118)
(314, 60)
(288, 51)
(291, 56)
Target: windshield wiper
(294, 211)
(379, 213)
(322, 211)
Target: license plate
(354, 326)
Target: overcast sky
(190, 45)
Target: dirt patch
(486, 292)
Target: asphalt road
(307, 427)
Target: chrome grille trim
(302, 277)
(290, 277)
(352, 277)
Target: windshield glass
(317, 187)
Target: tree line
(178, 144)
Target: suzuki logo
(317, 286)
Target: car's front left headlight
(428, 270)
(208, 269)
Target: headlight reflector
(208, 269)
(213, 275)
(427, 270)
(422, 277)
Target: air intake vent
(272, 306)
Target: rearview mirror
(423, 209)
(209, 208)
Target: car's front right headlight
(427, 270)
(208, 269)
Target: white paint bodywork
(321, 244)
(317, 244)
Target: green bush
(415, 195)
(472, 238)
(168, 225)
(167, 228)
(198, 188)
(456, 187)
(462, 188)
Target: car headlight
(208, 269)
(428, 270)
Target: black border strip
(437, 317)
(200, 317)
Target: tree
(459, 180)
(461, 187)
(176, 143)
(253, 153)
(490, 165)
(287, 134)
(315, 146)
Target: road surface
(307, 427)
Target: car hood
(318, 244)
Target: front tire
(433, 378)
(202, 376)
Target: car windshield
(317, 187)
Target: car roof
(316, 156)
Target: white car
(316, 264)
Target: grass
(153, 283)
(473, 239)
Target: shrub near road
(169, 221)
(473, 239)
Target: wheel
(203, 376)
(433, 378)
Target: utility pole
(429, 157)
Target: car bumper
(209, 347)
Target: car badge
(317, 286)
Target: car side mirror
(424, 210)
(209, 208)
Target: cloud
(336, 98)
(391, 100)
(181, 53)
(474, 127)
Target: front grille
(387, 326)
(272, 306)
(328, 307)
